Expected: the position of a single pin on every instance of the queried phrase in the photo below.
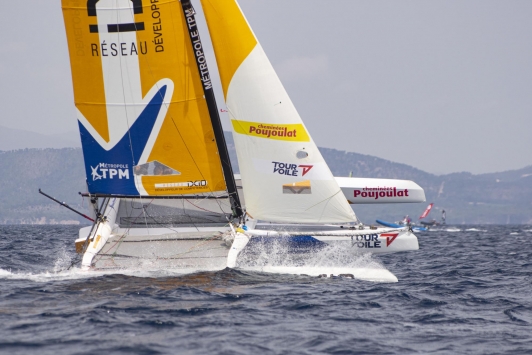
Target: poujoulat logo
(275, 131)
(294, 132)
(376, 192)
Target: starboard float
(158, 172)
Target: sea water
(468, 290)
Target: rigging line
(175, 125)
(196, 164)
(204, 220)
(234, 143)
(199, 207)
(249, 138)
(158, 223)
(125, 103)
(325, 199)
(170, 115)
(219, 205)
(168, 225)
(123, 236)
(221, 214)
(172, 118)
(199, 244)
(185, 213)
(188, 12)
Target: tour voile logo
(290, 169)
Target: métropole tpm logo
(290, 169)
(110, 171)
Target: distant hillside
(13, 139)
(59, 172)
(496, 198)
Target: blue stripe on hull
(295, 244)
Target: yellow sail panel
(142, 114)
(232, 38)
(88, 87)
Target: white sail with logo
(284, 176)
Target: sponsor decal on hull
(370, 241)
(390, 237)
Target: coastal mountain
(495, 198)
(13, 139)
(59, 172)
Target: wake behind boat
(158, 172)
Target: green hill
(496, 198)
(58, 172)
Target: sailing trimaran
(158, 172)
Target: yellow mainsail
(142, 114)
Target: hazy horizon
(442, 86)
(67, 139)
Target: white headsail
(284, 176)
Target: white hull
(204, 250)
(291, 249)
(199, 251)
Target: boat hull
(378, 241)
(208, 249)
(196, 251)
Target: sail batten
(284, 176)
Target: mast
(197, 47)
